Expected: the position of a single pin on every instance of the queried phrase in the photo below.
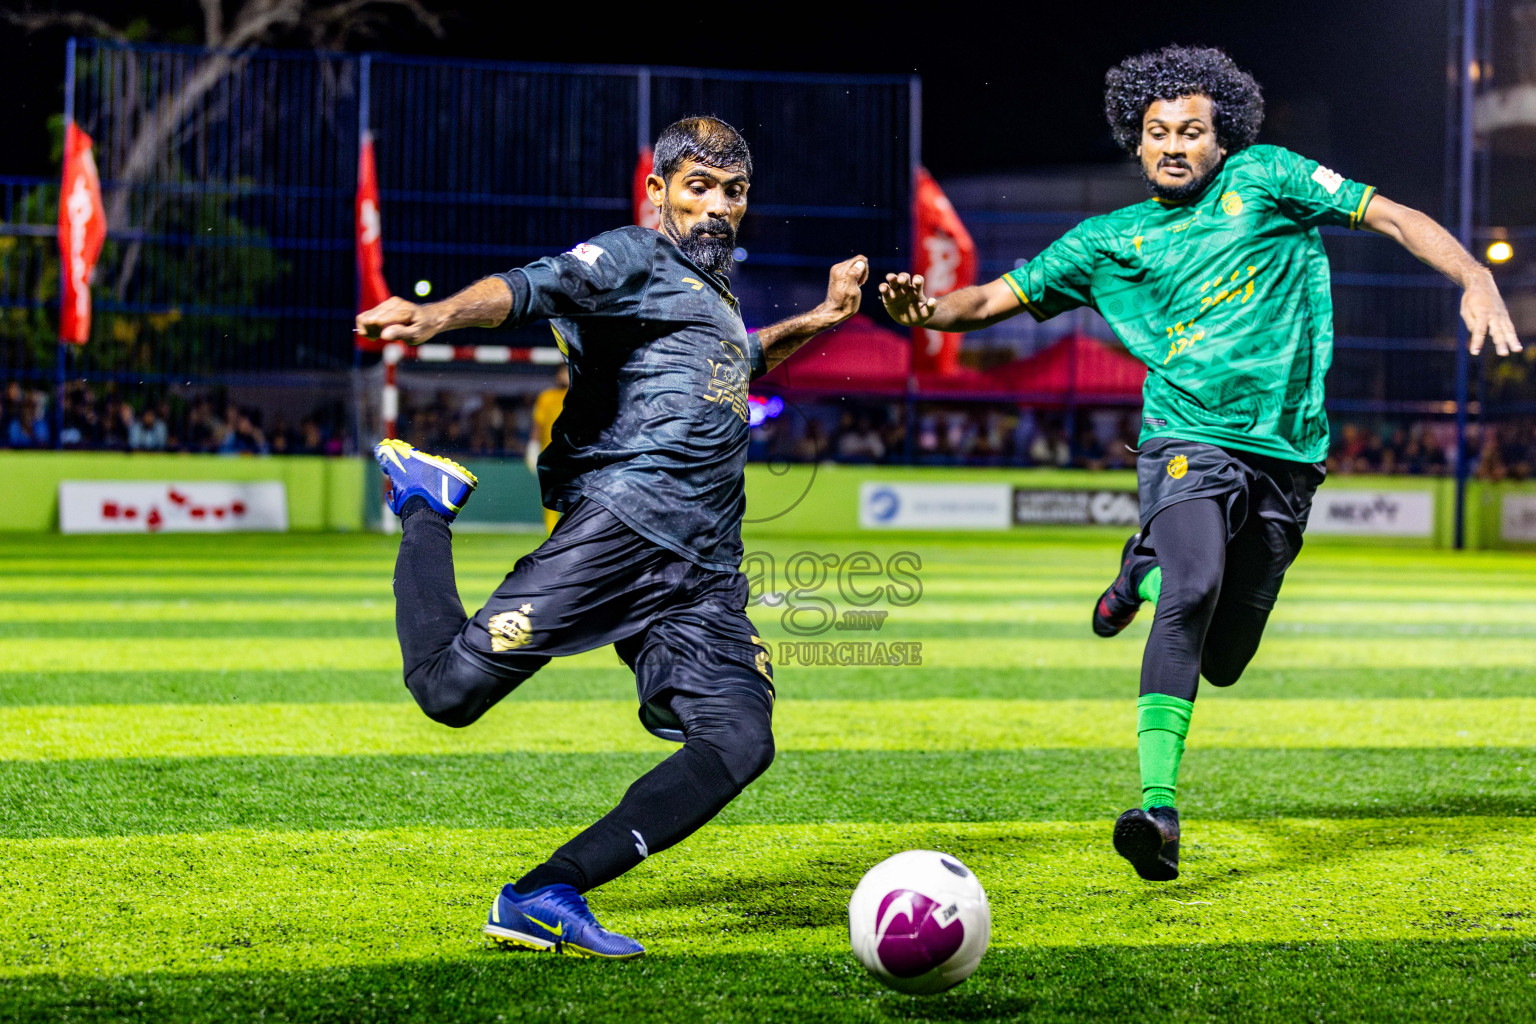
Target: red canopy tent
(861, 357)
(1078, 365)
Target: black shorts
(1266, 500)
(680, 627)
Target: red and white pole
(389, 402)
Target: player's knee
(1195, 588)
(1221, 674)
(450, 690)
(739, 731)
(1223, 668)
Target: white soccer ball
(919, 921)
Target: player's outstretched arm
(486, 303)
(1482, 307)
(781, 339)
(968, 309)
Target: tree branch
(213, 21)
(330, 26)
(29, 20)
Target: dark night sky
(1356, 83)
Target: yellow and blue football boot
(555, 918)
(444, 484)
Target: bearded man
(645, 464)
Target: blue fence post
(60, 370)
(1464, 154)
(643, 109)
(915, 160)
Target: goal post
(469, 403)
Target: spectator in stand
(148, 432)
(17, 431)
(859, 441)
(1515, 450)
(1050, 448)
(1090, 450)
(310, 441)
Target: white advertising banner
(133, 506)
(1375, 513)
(935, 506)
(1517, 517)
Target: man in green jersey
(1219, 283)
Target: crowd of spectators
(954, 434)
(468, 423)
(485, 424)
(104, 418)
(1505, 450)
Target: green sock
(1151, 587)
(1162, 722)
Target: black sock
(664, 806)
(415, 503)
(428, 613)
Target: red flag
(646, 215)
(371, 289)
(946, 257)
(82, 230)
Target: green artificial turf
(218, 803)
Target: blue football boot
(555, 918)
(445, 484)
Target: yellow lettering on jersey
(1228, 288)
(1179, 340)
(697, 284)
(1137, 243)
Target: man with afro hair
(1219, 283)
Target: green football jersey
(1225, 297)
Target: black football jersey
(654, 426)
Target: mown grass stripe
(282, 900)
(133, 796)
(1444, 981)
(567, 680)
(236, 652)
(201, 730)
(1026, 614)
(926, 630)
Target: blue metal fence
(230, 249)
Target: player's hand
(1484, 313)
(395, 319)
(904, 299)
(843, 296)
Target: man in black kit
(646, 465)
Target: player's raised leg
(1248, 592)
(1137, 582)
(1190, 540)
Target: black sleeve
(604, 277)
(757, 356)
(518, 285)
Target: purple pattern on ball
(910, 940)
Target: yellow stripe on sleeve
(1359, 214)
(1018, 292)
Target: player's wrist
(828, 315)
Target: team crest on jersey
(1178, 466)
(511, 630)
(1330, 180)
(587, 253)
(728, 379)
(1231, 204)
